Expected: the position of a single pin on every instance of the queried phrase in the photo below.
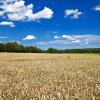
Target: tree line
(18, 48)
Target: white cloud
(5, 23)
(76, 41)
(67, 37)
(18, 11)
(97, 8)
(29, 37)
(73, 39)
(53, 42)
(2, 37)
(1, 13)
(72, 13)
(56, 37)
(79, 38)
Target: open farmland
(49, 76)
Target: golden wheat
(49, 76)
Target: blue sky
(51, 23)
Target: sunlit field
(49, 76)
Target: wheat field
(49, 76)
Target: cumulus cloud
(72, 13)
(56, 37)
(5, 23)
(76, 41)
(1, 13)
(97, 8)
(77, 38)
(67, 37)
(29, 37)
(73, 39)
(18, 11)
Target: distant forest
(18, 48)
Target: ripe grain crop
(49, 76)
